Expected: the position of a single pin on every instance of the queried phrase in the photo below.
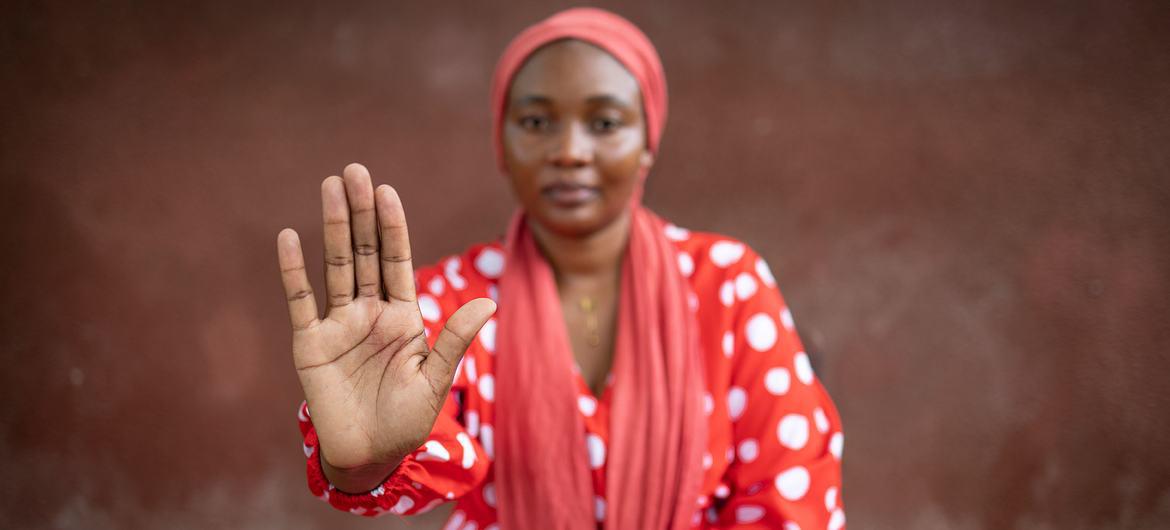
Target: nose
(572, 147)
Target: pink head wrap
(614, 34)
(542, 473)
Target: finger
(338, 249)
(365, 229)
(454, 339)
(397, 268)
(302, 307)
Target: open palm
(373, 385)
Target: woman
(690, 402)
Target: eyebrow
(532, 100)
(604, 99)
(607, 99)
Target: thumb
(454, 339)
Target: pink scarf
(658, 429)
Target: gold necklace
(593, 336)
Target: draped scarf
(658, 430)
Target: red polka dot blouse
(775, 440)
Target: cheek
(620, 162)
(520, 150)
(522, 164)
(524, 187)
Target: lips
(569, 195)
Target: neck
(594, 256)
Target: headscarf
(658, 430)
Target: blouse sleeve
(448, 465)
(786, 432)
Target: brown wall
(966, 204)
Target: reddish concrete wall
(965, 202)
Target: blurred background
(965, 202)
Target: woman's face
(574, 138)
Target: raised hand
(373, 385)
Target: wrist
(358, 479)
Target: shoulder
(717, 262)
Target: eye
(605, 125)
(534, 122)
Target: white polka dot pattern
(686, 265)
(451, 271)
(837, 444)
(468, 450)
(429, 308)
(748, 339)
(749, 449)
(727, 293)
(587, 404)
(433, 450)
(489, 494)
(736, 402)
(761, 332)
(675, 233)
(596, 447)
(765, 273)
(793, 483)
(436, 286)
(487, 335)
(777, 381)
(804, 371)
(490, 263)
(837, 520)
(793, 431)
(786, 319)
(748, 513)
(726, 253)
(745, 286)
(487, 387)
(469, 367)
(473, 423)
(455, 521)
(404, 503)
(821, 420)
(486, 440)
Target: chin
(577, 222)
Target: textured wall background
(965, 203)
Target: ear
(646, 159)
